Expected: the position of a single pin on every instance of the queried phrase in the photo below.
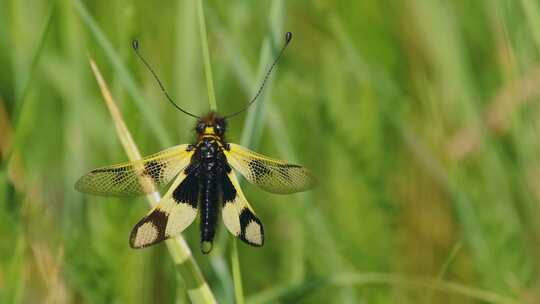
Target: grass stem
(206, 57)
(235, 261)
(237, 275)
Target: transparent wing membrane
(137, 177)
(270, 174)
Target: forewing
(176, 210)
(238, 216)
(137, 177)
(270, 174)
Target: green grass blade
(235, 262)
(255, 120)
(206, 57)
(23, 88)
(237, 274)
(532, 13)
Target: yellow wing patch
(270, 174)
(174, 213)
(137, 177)
(238, 216)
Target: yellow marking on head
(209, 130)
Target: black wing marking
(238, 216)
(137, 177)
(174, 213)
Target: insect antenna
(288, 38)
(135, 45)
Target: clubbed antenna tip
(135, 46)
(288, 38)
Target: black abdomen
(210, 164)
(208, 207)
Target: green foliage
(418, 117)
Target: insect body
(203, 183)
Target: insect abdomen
(208, 209)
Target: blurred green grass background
(418, 117)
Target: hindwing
(174, 213)
(238, 216)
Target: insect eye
(201, 127)
(219, 129)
